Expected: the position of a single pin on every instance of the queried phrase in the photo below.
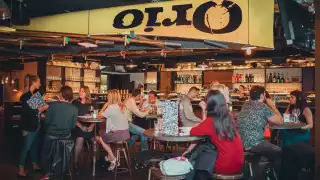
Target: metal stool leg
(127, 161)
(118, 162)
(127, 149)
(149, 174)
(250, 169)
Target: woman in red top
(220, 128)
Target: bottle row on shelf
(271, 78)
(279, 78)
(188, 79)
(74, 78)
(247, 78)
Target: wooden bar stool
(228, 177)
(122, 147)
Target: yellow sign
(235, 21)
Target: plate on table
(85, 117)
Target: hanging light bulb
(248, 49)
(2, 81)
(12, 81)
(7, 79)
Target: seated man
(186, 115)
(252, 121)
(154, 107)
(131, 107)
(61, 118)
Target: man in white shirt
(131, 105)
(187, 116)
(151, 103)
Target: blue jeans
(134, 129)
(31, 142)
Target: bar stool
(251, 157)
(228, 177)
(122, 147)
(63, 147)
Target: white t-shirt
(116, 119)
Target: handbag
(175, 166)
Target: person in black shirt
(82, 130)
(61, 118)
(30, 124)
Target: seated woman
(117, 127)
(61, 118)
(82, 130)
(298, 108)
(220, 128)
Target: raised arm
(309, 118)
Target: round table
(93, 120)
(151, 118)
(286, 126)
(170, 138)
(158, 136)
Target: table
(150, 133)
(93, 120)
(170, 138)
(287, 126)
(151, 118)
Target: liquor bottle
(278, 78)
(236, 78)
(282, 80)
(287, 80)
(247, 78)
(270, 78)
(274, 78)
(243, 78)
(252, 78)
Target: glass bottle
(274, 78)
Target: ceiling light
(4, 11)
(203, 65)
(131, 66)
(88, 43)
(248, 49)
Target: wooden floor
(9, 156)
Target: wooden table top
(288, 126)
(170, 138)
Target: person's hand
(24, 133)
(84, 129)
(184, 154)
(306, 127)
(90, 128)
(203, 105)
(45, 97)
(269, 102)
(147, 110)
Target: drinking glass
(156, 126)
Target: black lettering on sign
(152, 18)
(137, 20)
(235, 20)
(181, 16)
